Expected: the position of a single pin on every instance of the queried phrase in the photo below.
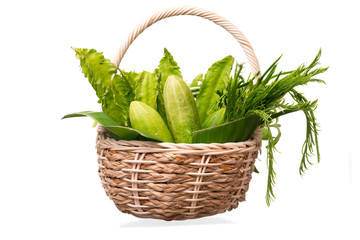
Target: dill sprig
(264, 96)
(312, 126)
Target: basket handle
(195, 11)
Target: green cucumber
(214, 119)
(146, 119)
(181, 111)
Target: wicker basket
(177, 181)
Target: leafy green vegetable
(146, 89)
(130, 77)
(167, 67)
(197, 81)
(96, 68)
(114, 92)
(239, 105)
(234, 131)
(117, 100)
(99, 117)
(215, 118)
(215, 80)
(113, 127)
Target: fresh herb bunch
(264, 96)
(215, 108)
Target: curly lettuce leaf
(114, 91)
(130, 77)
(97, 69)
(146, 88)
(117, 100)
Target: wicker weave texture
(175, 181)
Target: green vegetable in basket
(146, 88)
(220, 107)
(181, 111)
(167, 67)
(215, 118)
(113, 91)
(264, 97)
(215, 79)
(146, 119)
(114, 129)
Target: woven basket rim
(138, 146)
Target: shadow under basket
(175, 181)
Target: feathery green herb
(264, 97)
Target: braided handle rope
(194, 11)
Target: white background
(49, 187)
